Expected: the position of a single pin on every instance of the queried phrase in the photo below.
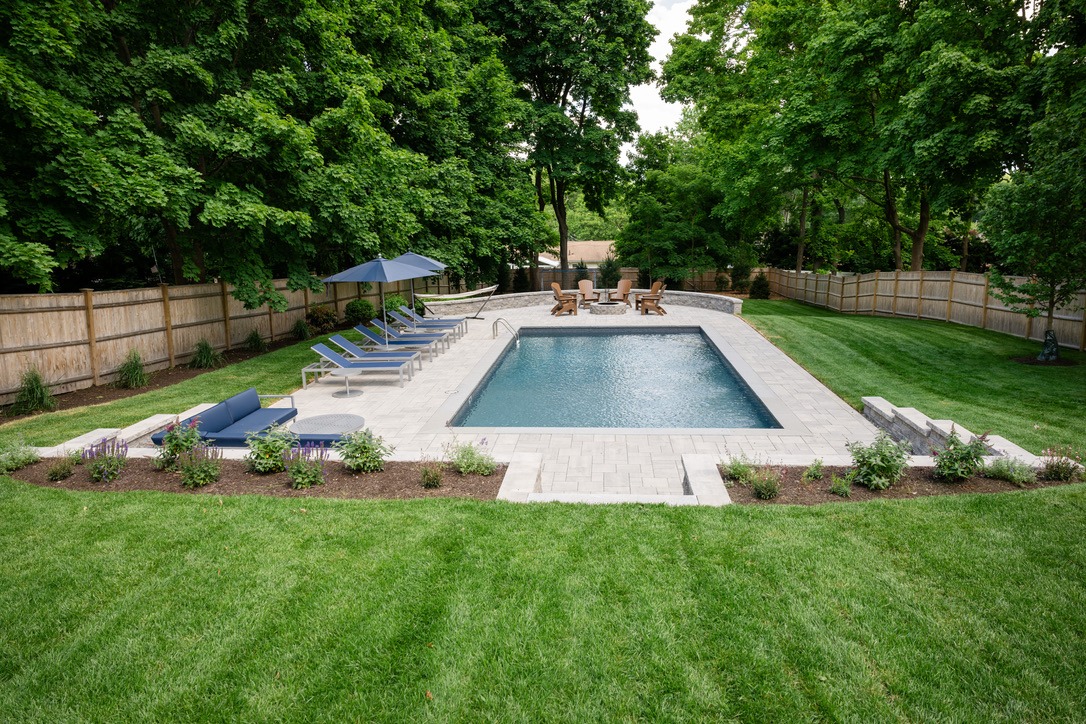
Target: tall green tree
(1036, 218)
(574, 62)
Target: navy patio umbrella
(422, 262)
(380, 270)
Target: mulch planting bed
(915, 483)
(398, 481)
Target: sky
(669, 17)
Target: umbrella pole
(384, 320)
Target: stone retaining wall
(927, 436)
(728, 305)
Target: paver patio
(633, 462)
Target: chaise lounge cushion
(214, 419)
(242, 404)
(254, 422)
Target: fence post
(1029, 323)
(92, 343)
(984, 306)
(169, 323)
(829, 281)
(949, 295)
(1082, 342)
(893, 304)
(271, 325)
(856, 304)
(875, 294)
(225, 311)
(335, 298)
(920, 295)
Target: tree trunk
(558, 201)
(965, 253)
(177, 261)
(801, 247)
(896, 235)
(919, 234)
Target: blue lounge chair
(230, 422)
(330, 359)
(410, 314)
(354, 352)
(442, 337)
(379, 342)
(425, 327)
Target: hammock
(489, 291)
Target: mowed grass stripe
(121, 606)
(947, 371)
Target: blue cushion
(215, 418)
(243, 404)
(260, 420)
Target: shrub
(200, 466)
(759, 288)
(581, 271)
(16, 454)
(738, 470)
(359, 311)
(178, 439)
(267, 450)
(305, 465)
(720, 282)
(321, 318)
(880, 464)
(610, 272)
(131, 375)
(432, 475)
(363, 452)
(64, 468)
(1012, 470)
(503, 279)
(33, 394)
(301, 331)
(471, 460)
(1061, 464)
(842, 485)
(958, 460)
(393, 302)
(741, 276)
(255, 343)
(106, 459)
(521, 282)
(766, 484)
(814, 471)
(205, 357)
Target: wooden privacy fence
(948, 296)
(78, 340)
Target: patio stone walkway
(627, 462)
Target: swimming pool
(629, 378)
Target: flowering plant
(177, 440)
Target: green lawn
(146, 606)
(947, 371)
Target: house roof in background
(591, 252)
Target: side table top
(336, 423)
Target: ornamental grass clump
(268, 450)
(1061, 464)
(106, 459)
(959, 460)
(301, 331)
(179, 439)
(200, 466)
(33, 394)
(16, 454)
(131, 375)
(305, 465)
(205, 357)
(880, 464)
(1012, 470)
(255, 343)
(471, 460)
(363, 452)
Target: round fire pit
(608, 308)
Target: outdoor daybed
(228, 423)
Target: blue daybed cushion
(215, 418)
(257, 421)
(243, 404)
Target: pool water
(613, 380)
